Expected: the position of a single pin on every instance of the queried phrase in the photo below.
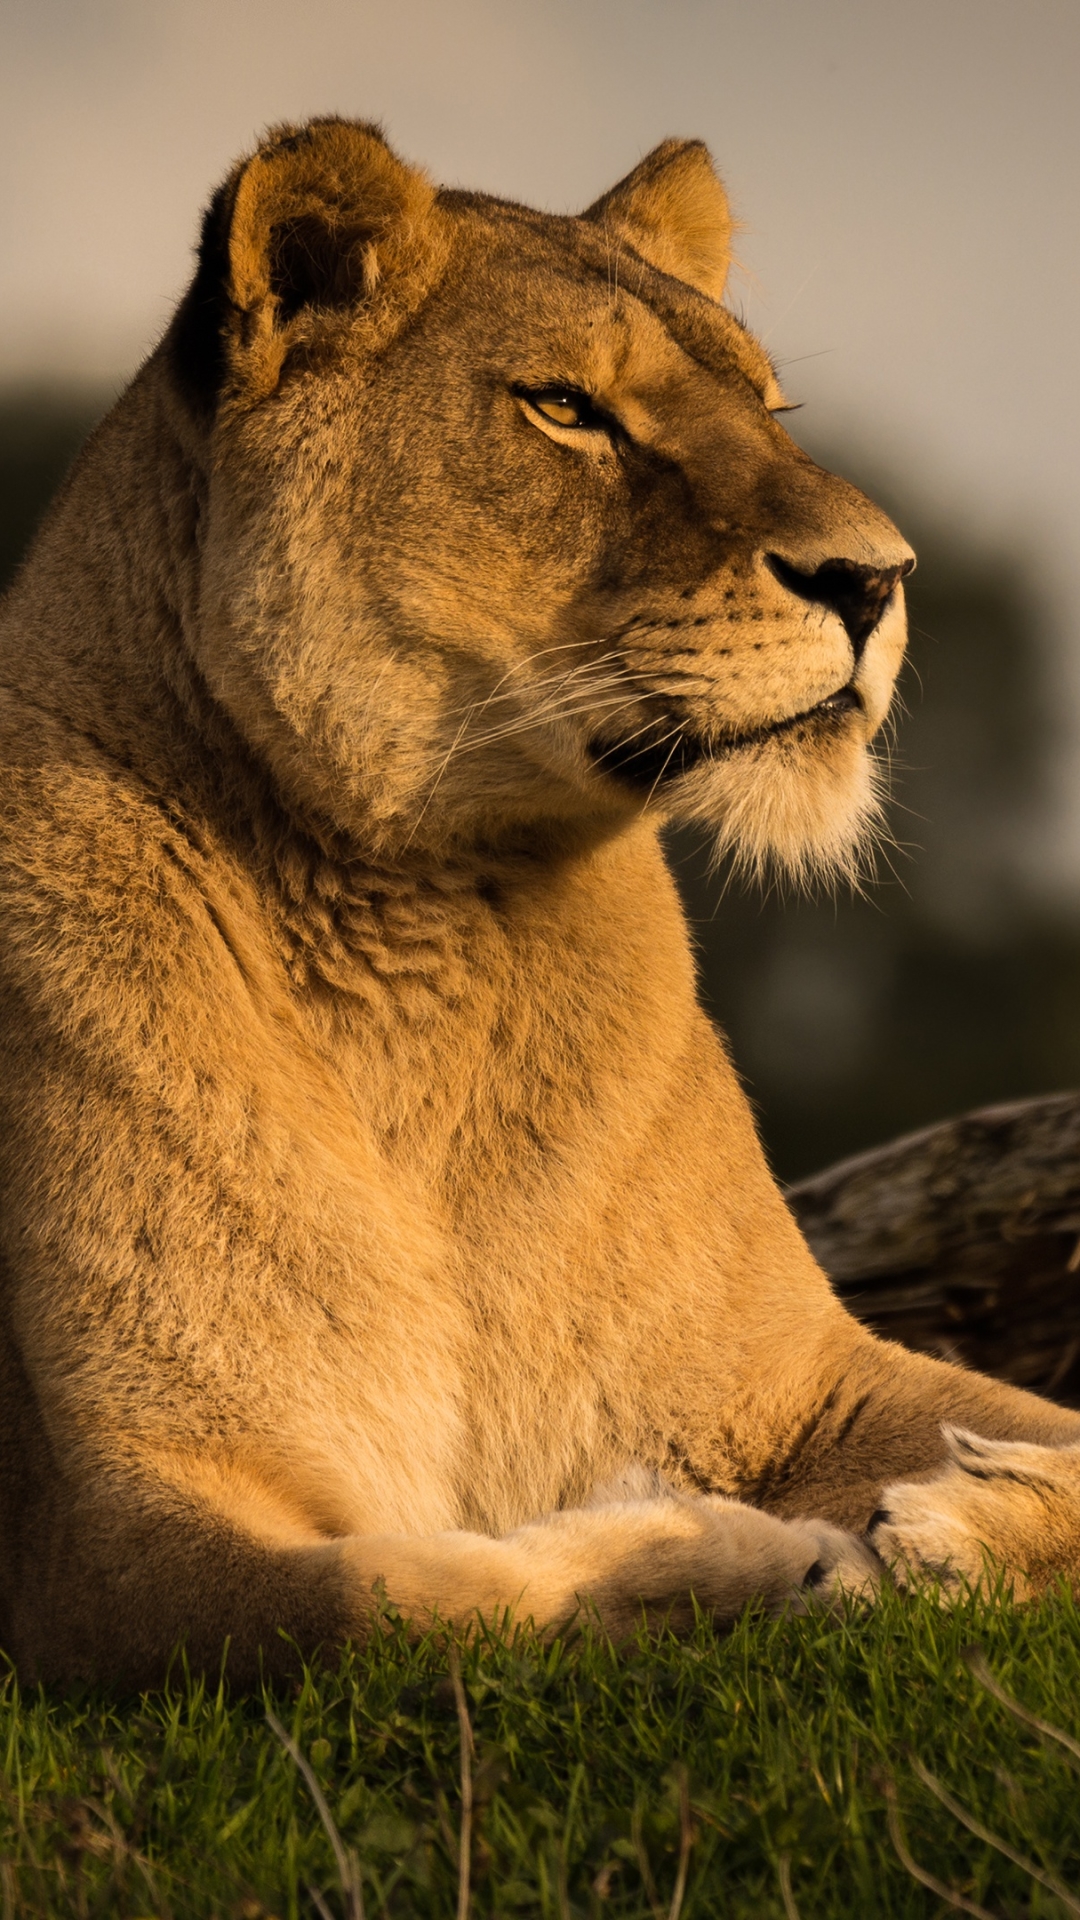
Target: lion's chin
(806, 805)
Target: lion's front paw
(997, 1502)
(842, 1564)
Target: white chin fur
(806, 811)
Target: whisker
(552, 688)
(555, 683)
(454, 745)
(680, 734)
(587, 687)
(431, 794)
(525, 724)
(545, 716)
(520, 666)
(618, 745)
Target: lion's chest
(506, 1040)
(534, 1082)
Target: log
(963, 1240)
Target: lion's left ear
(673, 211)
(317, 220)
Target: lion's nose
(859, 594)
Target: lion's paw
(997, 1503)
(842, 1565)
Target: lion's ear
(315, 220)
(673, 211)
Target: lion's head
(503, 530)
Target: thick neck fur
(92, 634)
(494, 952)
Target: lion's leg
(112, 1592)
(876, 1450)
(616, 1560)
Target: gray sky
(908, 172)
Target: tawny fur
(374, 1188)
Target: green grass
(592, 1771)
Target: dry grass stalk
(467, 1753)
(637, 1841)
(319, 1903)
(976, 1660)
(949, 1894)
(1047, 1880)
(348, 1865)
(686, 1841)
(791, 1911)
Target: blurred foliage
(951, 983)
(41, 429)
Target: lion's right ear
(673, 210)
(313, 222)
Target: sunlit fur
(812, 817)
(997, 1501)
(373, 1188)
(809, 809)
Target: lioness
(375, 1191)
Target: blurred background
(907, 173)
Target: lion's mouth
(657, 760)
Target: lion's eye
(563, 406)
